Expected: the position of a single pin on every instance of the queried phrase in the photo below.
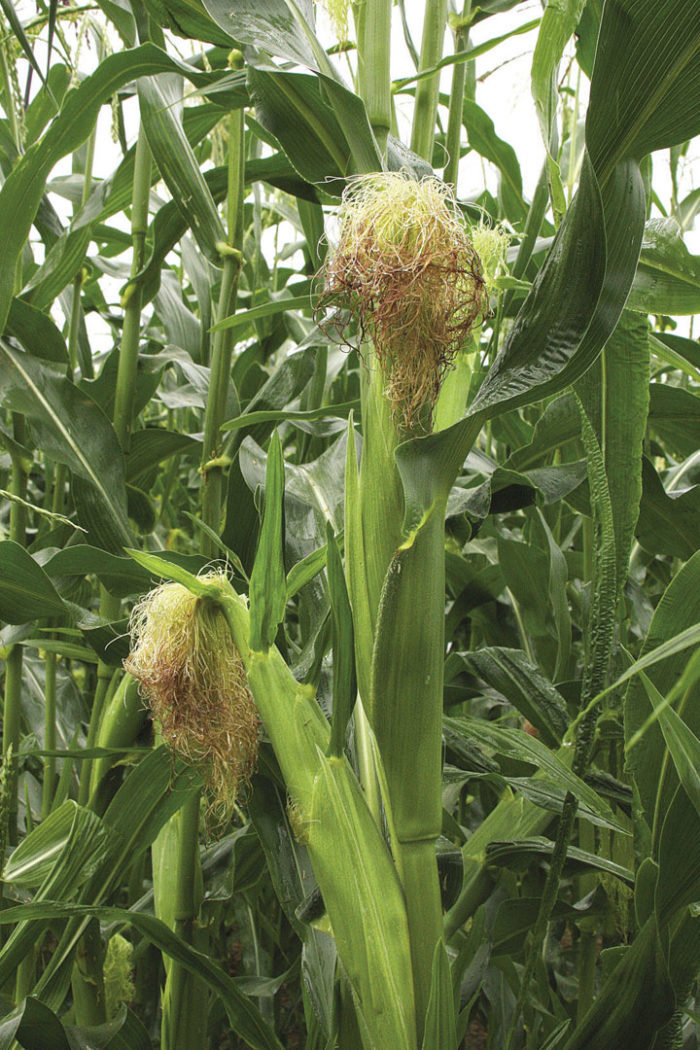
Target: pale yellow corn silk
(491, 244)
(338, 12)
(118, 974)
(407, 273)
(194, 681)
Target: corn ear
(365, 906)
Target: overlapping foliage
(497, 844)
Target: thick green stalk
(425, 111)
(406, 715)
(374, 65)
(87, 979)
(50, 667)
(212, 467)
(399, 661)
(176, 851)
(177, 880)
(122, 721)
(459, 82)
(129, 349)
(110, 606)
(57, 506)
(13, 664)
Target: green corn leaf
(47, 846)
(407, 676)
(674, 627)
(681, 741)
(505, 854)
(645, 97)
(669, 523)
(33, 1026)
(633, 1003)
(678, 884)
(305, 570)
(523, 685)
(160, 100)
(26, 592)
(269, 309)
(674, 416)
(189, 19)
(36, 332)
(365, 905)
(520, 745)
(243, 1016)
(250, 419)
(668, 276)
(73, 430)
(344, 680)
(440, 1032)
(268, 590)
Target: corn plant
(349, 537)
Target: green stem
(129, 350)
(13, 664)
(87, 978)
(374, 65)
(365, 762)
(215, 414)
(49, 734)
(425, 110)
(587, 949)
(10, 110)
(418, 866)
(220, 375)
(406, 715)
(122, 721)
(459, 81)
(185, 1001)
(110, 607)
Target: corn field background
(406, 751)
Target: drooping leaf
(160, 101)
(73, 430)
(268, 591)
(344, 679)
(26, 592)
(440, 1032)
(678, 610)
(667, 280)
(669, 522)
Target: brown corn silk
(405, 271)
(194, 681)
